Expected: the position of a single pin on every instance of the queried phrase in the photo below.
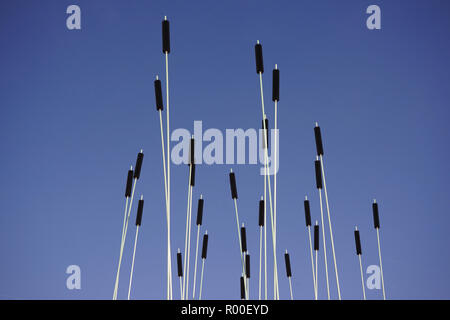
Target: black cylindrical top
(166, 36)
(242, 289)
(316, 237)
(247, 266)
(276, 85)
(307, 213)
(200, 212)
(137, 168)
(193, 175)
(158, 95)
(259, 58)
(376, 217)
(179, 264)
(319, 145)
(261, 213)
(287, 260)
(243, 240)
(129, 183)
(139, 212)
(357, 243)
(318, 174)
(265, 125)
(234, 194)
(205, 246)
(192, 151)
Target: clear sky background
(77, 106)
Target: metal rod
(381, 263)
(186, 233)
(330, 227)
(324, 244)
(196, 258)
(275, 272)
(260, 261)
(120, 251)
(201, 280)
(132, 263)
(312, 259)
(169, 259)
(189, 247)
(290, 287)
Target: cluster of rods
(129, 195)
(183, 267)
(320, 184)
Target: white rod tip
(201, 196)
(206, 232)
(262, 197)
(374, 200)
(165, 17)
(178, 250)
(142, 197)
(231, 169)
(317, 157)
(242, 225)
(317, 223)
(306, 197)
(286, 251)
(276, 66)
(317, 124)
(257, 41)
(142, 151)
(157, 78)
(131, 167)
(356, 228)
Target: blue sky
(77, 106)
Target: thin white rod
(275, 273)
(189, 247)
(129, 212)
(196, 258)
(260, 262)
(265, 234)
(317, 283)
(248, 288)
(362, 277)
(245, 279)
(275, 174)
(164, 162)
(124, 236)
(312, 259)
(132, 263)
(381, 263)
(187, 230)
(169, 260)
(201, 280)
(120, 252)
(290, 288)
(240, 243)
(331, 228)
(165, 193)
(324, 243)
(275, 276)
(181, 288)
